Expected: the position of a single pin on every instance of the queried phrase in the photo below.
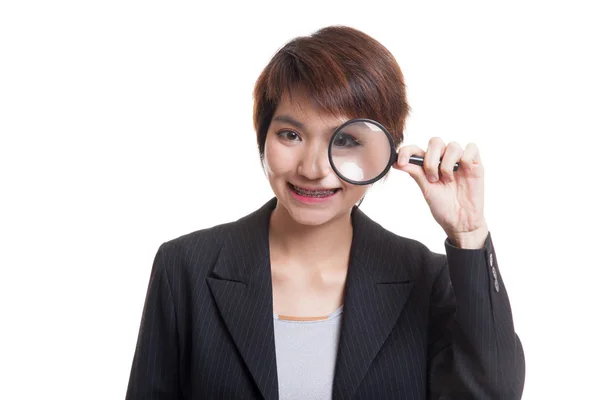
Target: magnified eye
(346, 141)
(289, 135)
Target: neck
(314, 245)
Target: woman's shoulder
(416, 252)
(392, 256)
(201, 248)
(376, 235)
(201, 241)
(212, 238)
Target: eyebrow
(289, 120)
(299, 125)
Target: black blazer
(416, 325)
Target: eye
(289, 135)
(346, 141)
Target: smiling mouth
(313, 193)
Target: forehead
(302, 108)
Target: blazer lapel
(377, 287)
(241, 286)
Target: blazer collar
(378, 284)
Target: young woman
(308, 298)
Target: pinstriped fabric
(416, 325)
(156, 369)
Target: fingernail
(403, 160)
(432, 178)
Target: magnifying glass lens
(360, 151)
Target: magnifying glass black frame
(417, 160)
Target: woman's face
(297, 164)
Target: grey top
(306, 352)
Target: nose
(315, 162)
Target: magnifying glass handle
(418, 160)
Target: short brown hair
(344, 71)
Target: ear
(385, 177)
(360, 202)
(362, 198)
(264, 166)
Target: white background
(125, 124)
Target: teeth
(313, 193)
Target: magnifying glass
(361, 151)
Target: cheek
(279, 159)
(357, 191)
(353, 193)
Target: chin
(310, 217)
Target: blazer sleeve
(154, 373)
(474, 352)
